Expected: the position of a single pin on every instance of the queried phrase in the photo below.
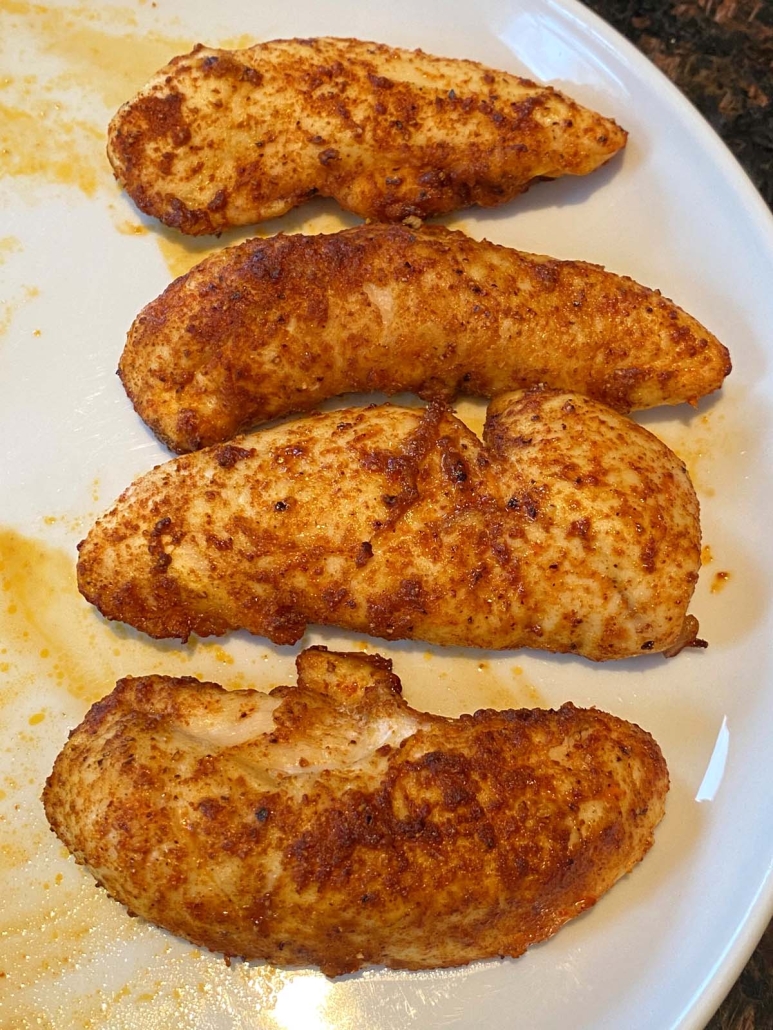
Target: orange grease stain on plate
(72, 922)
(127, 228)
(182, 252)
(48, 630)
(41, 614)
(533, 697)
(41, 142)
(8, 245)
(8, 308)
(710, 444)
(696, 445)
(487, 690)
(87, 63)
(58, 930)
(468, 685)
(115, 65)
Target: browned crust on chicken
(570, 529)
(311, 842)
(275, 326)
(220, 138)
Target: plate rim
(721, 978)
(752, 922)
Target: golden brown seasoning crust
(220, 138)
(275, 326)
(329, 824)
(571, 529)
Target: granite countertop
(720, 54)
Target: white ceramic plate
(78, 262)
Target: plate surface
(77, 262)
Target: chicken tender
(570, 529)
(275, 326)
(329, 824)
(221, 138)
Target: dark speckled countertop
(720, 54)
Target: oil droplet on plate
(8, 245)
(131, 228)
(719, 581)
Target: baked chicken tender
(329, 824)
(275, 326)
(569, 529)
(220, 138)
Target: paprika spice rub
(275, 326)
(569, 529)
(220, 138)
(329, 824)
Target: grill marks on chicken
(221, 138)
(277, 325)
(330, 824)
(570, 529)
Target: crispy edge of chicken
(275, 326)
(220, 138)
(569, 529)
(330, 824)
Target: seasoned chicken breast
(220, 138)
(329, 824)
(570, 529)
(277, 325)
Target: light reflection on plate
(715, 770)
